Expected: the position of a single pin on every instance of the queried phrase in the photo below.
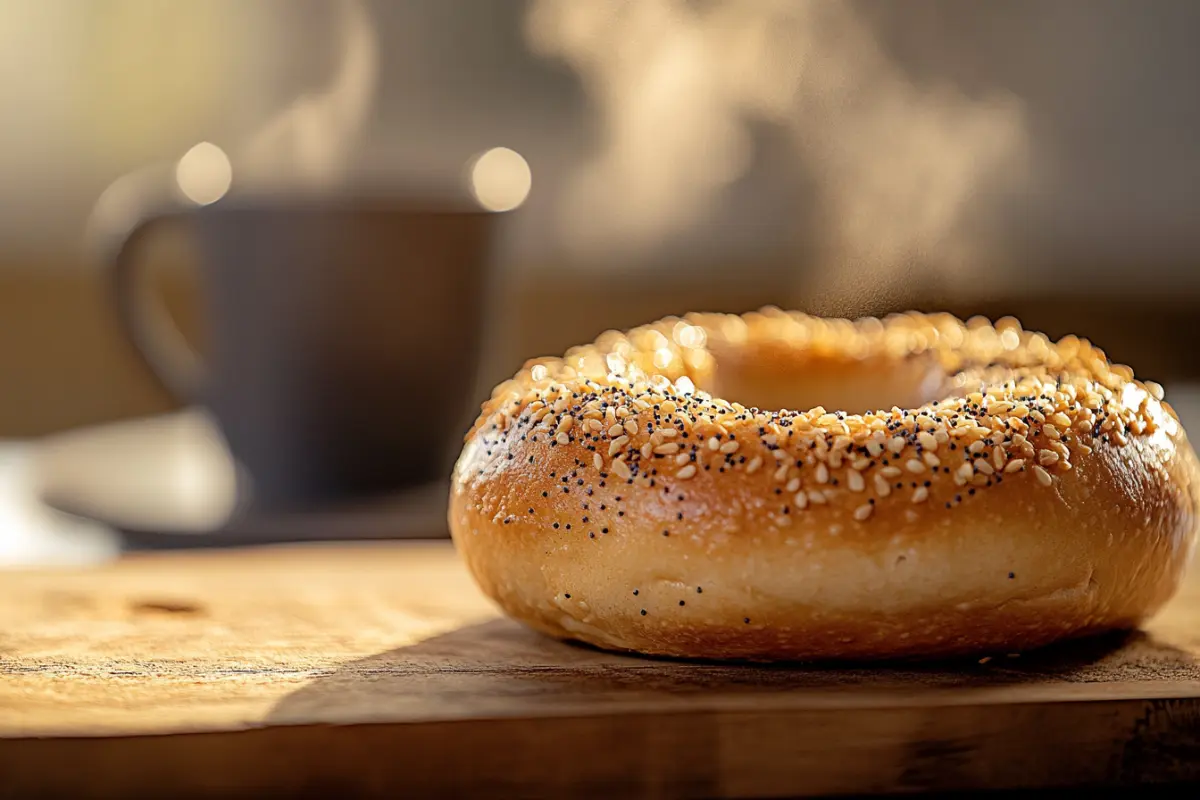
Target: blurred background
(1031, 158)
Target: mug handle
(142, 314)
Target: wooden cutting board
(379, 670)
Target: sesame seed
(801, 500)
(920, 494)
(686, 472)
(670, 448)
(1043, 477)
(1034, 415)
(863, 511)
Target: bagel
(727, 487)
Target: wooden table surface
(379, 670)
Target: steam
(307, 145)
(672, 133)
(311, 141)
(895, 164)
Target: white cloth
(32, 534)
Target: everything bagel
(777, 486)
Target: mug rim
(413, 202)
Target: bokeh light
(501, 179)
(204, 174)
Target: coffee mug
(344, 336)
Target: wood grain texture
(368, 670)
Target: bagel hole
(836, 384)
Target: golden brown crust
(1046, 494)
